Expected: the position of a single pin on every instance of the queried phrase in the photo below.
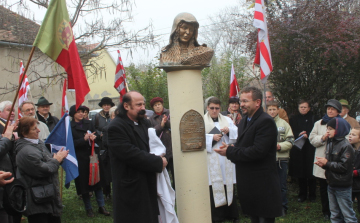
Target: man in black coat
(254, 155)
(133, 167)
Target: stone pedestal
(191, 173)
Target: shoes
(90, 213)
(301, 199)
(103, 211)
(326, 217)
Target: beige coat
(285, 138)
(320, 147)
(352, 121)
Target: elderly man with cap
(27, 109)
(233, 111)
(44, 115)
(100, 121)
(344, 114)
(318, 138)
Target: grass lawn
(74, 211)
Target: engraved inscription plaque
(192, 131)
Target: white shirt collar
(35, 141)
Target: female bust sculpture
(183, 48)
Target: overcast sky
(160, 12)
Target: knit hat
(335, 104)
(345, 103)
(73, 110)
(106, 101)
(332, 123)
(156, 99)
(234, 100)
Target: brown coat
(352, 121)
(163, 133)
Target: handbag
(43, 193)
(94, 173)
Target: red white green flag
(56, 39)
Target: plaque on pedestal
(192, 131)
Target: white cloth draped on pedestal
(166, 194)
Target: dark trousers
(324, 196)
(256, 219)
(43, 218)
(307, 185)
(282, 167)
(5, 218)
(224, 212)
(170, 168)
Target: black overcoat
(256, 173)
(83, 152)
(134, 172)
(302, 161)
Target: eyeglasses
(30, 109)
(245, 101)
(216, 108)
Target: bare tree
(104, 22)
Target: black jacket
(254, 155)
(134, 171)
(339, 168)
(356, 179)
(7, 161)
(83, 152)
(302, 160)
(50, 122)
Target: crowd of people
(250, 149)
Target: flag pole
(265, 98)
(17, 92)
(61, 182)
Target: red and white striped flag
(234, 86)
(24, 88)
(263, 54)
(120, 77)
(64, 102)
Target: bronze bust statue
(183, 48)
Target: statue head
(184, 30)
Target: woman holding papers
(302, 159)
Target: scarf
(235, 116)
(326, 119)
(215, 170)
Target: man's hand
(9, 130)
(321, 161)
(225, 130)
(217, 137)
(222, 150)
(303, 133)
(3, 177)
(165, 162)
(278, 147)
